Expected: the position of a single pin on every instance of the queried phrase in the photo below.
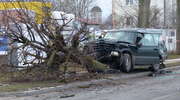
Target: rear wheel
(127, 63)
(155, 67)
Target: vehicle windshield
(120, 36)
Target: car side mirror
(100, 37)
(139, 44)
(138, 39)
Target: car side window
(156, 38)
(148, 40)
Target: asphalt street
(165, 87)
(162, 87)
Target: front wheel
(127, 63)
(162, 66)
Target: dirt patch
(19, 85)
(3, 59)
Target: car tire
(127, 63)
(154, 67)
(162, 66)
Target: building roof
(96, 9)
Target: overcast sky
(106, 6)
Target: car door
(148, 52)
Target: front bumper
(110, 58)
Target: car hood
(113, 42)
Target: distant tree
(143, 14)
(78, 7)
(108, 23)
(129, 18)
(178, 27)
(155, 17)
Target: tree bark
(144, 13)
(178, 27)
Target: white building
(124, 13)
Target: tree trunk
(178, 27)
(144, 13)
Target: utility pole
(173, 13)
(178, 27)
(165, 6)
(113, 14)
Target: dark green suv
(123, 49)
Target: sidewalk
(169, 61)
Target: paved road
(159, 88)
(164, 87)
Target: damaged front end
(107, 53)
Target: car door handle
(156, 49)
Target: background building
(124, 13)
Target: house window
(129, 2)
(172, 34)
(96, 15)
(129, 20)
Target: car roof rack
(140, 30)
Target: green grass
(22, 86)
(173, 64)
(13, 87)
(173, 56)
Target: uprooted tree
(51, 44)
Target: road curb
(77, 84)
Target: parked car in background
(124, 49)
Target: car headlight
(114, 53)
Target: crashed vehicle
(124, 49)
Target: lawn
(173, 64)
(6, 86)
(13, 87)
(173, 56)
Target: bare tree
(144, 12)
(49, 44)
(108, 23)
(155, 17)
(178, 27)
(128, 16)
(78, 7)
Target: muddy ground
(162, 87)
